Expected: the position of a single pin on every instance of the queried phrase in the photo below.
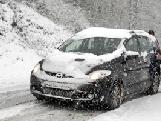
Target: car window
(132, 45)
(95, 45)
(145, 44)
(76, 45)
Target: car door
(147, 51)
(131, 74)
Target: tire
(116, 96)
(155, 84)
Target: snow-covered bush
(73, 17)
(37, 32)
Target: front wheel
(115, 98)
(155, 85)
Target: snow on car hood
(75, 64)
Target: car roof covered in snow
(108, 33)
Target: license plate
(51, 84)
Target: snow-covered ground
(21, 106)
(9, 112)
(16, 65)
(147, 108)
(25, 38)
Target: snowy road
(22, 106)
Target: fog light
(90, 96)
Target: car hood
(75, 64)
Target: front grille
(58, 92)
(64, 93)
(55, 74)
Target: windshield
(96, 45)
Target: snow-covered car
(99, 65)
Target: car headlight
(99, 74)
(36, 68)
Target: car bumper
(38, 93)
(37, 89)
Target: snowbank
(25, 36)
(16, 65)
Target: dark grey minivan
(99, 65)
